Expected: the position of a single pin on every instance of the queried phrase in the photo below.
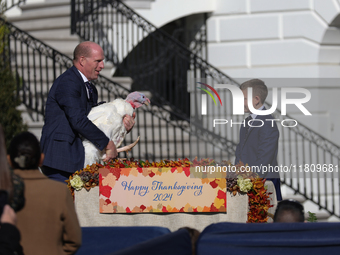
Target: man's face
(94, 64)
(245, 93)
(255, 101)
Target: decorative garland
(237, 182)
(259, 202)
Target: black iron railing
(9, 4)
(36, 66)
(165, 67)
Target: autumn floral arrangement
(249, 182)
(237, 181)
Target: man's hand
(8, 215)
(129, 121)
(111, 151)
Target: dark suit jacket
(260, 147)
(66, 122)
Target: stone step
(125, 82)
(43, 11)
(50, 22)
(298, 198)
(59, 34)
(139, 4)
(44, 4)
(44, 24)
(66, 47)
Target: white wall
(282, 39)
(165, 11)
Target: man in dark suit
(259, 137)
(69, 101)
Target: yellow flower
(244, 184)
(258, 184)
(77, 183)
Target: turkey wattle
(108, 117)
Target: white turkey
(108, 117)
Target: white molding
(165, 11)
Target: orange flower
(258, 202)
(258, 184)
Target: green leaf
(312, 217)
(126, 165)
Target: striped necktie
(90, 90)
(247, 126)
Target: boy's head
(24, 151)
(260, 92)
(289, 211)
